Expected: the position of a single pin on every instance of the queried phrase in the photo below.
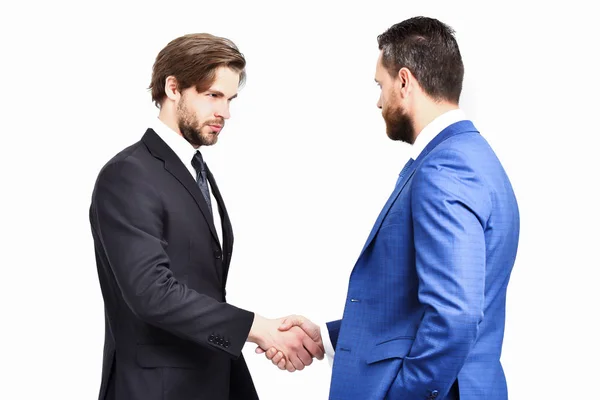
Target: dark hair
(192, 59)
(428, 48)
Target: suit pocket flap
(395, 348)
(155, 356)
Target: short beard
(399, 125)
(192, 130)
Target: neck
(428, 110)
(167, 116)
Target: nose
(379, 102)
(223, 111)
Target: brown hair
(192, 59)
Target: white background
(304, 166)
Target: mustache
(218, 121)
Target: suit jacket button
(434, 394)
(217, 254)
(211, 338)
(226, 344)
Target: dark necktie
(200, 168)
(406, 166)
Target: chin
(210, 140)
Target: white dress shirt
(185, 151)
(432, 129)
(422, 140)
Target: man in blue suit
(425, 311)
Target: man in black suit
(162, 261)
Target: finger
(287, 324)
(296, 362)
(279, 360)
(291, 321)
(315, 349)
(259, 350)
(282, 364)
(278, 357)
(305, 357)
(313, 330)
(290, 366)
(271, 353)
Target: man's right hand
(294, 323)
(292, 341)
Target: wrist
(255, 334)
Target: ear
(404, 80)
(172, 88)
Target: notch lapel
(159, 149)
(386, 208)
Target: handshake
(290, 343)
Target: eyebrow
(221, 94)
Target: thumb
(259, 350)
(290, 321)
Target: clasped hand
(290, 343)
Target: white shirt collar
(434, 128)
(184, 150)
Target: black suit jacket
(169, 332)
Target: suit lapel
(452, 130)
(225, 222)
(159, 149)
(386, 208)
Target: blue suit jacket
(426, 298)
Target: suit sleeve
(126, 215)
(450, 207)
(333, 331)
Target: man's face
(398, 122)
(201, 116)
